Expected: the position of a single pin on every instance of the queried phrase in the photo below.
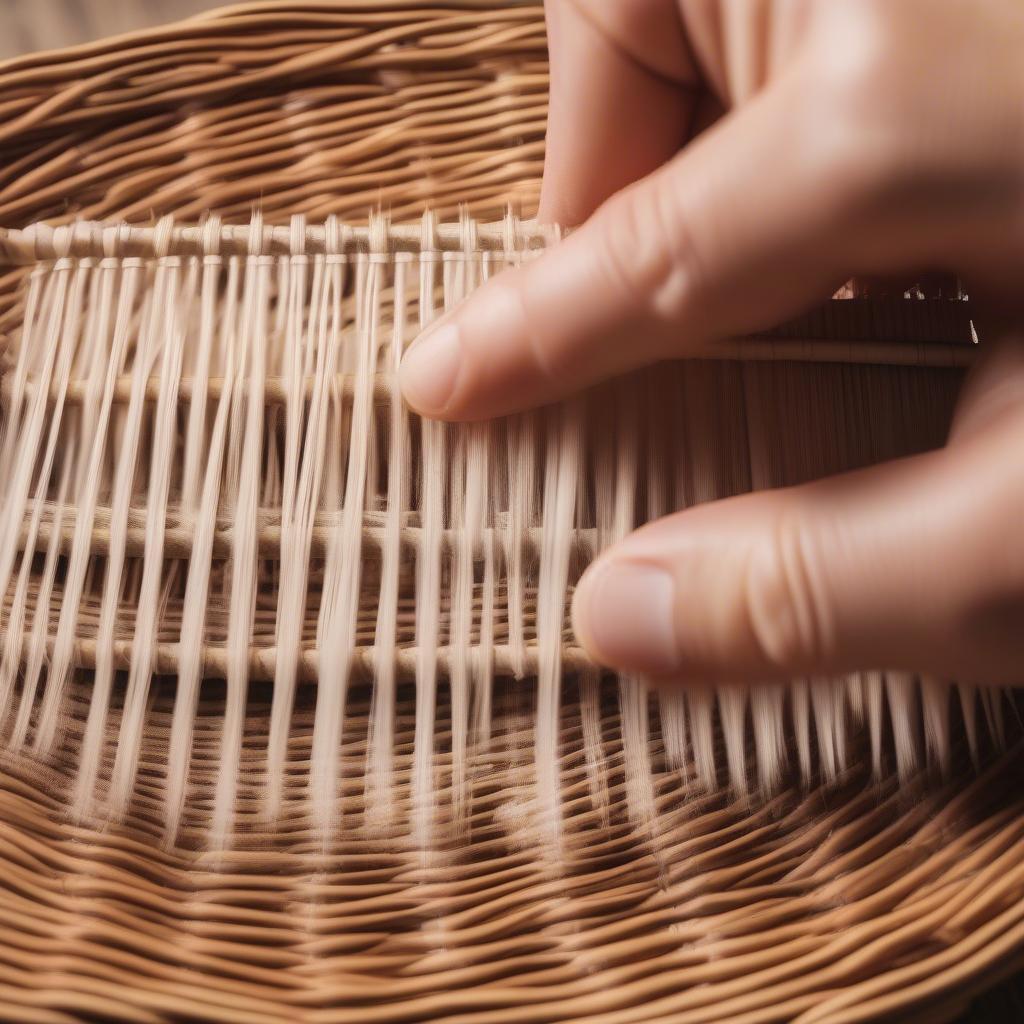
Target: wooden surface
(27, 25)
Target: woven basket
(855, 901)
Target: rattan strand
(834, 905)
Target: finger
(915, 565)
(742, 229)
(613, 117)
(994, 391)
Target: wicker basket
(846, 903)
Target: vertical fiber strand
(148, 355)
(380, 796)
(874, 699)
(428, 573)
(14, 629)
(40, 633)
(40, 283)
(85, 495)
(564, 459)
(824, 726)
(197, 585)
(161, 469)
(195, 432)
(633, 690)
(767, 702)
(967, 696)
(99, 310)
(53, 698)
(303, 474)
(521, 458)
(468, 511)
(55, 342)
(247, 445)
(901, 692)
(935, 707)
(343, 571)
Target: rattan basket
(848, 902)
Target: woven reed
(848, 901)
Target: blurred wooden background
(27, 25)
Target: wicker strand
(871, 896)
(828, 901)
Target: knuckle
(850, 136)
(863, 63)
(985, 533)
(649, 250)
(790, 625)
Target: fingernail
(623, 613)
(430, 369)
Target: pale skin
(730, 163)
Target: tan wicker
(842, 900)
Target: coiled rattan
(860, 901)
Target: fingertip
(484, 359)
(531, 335)
(623, 615)
(430, 370)
(578, 615)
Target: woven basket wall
(857, 901)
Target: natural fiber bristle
(211, 473)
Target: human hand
(859, 138)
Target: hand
(771, 151)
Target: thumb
(749, 210)
(913, 565)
